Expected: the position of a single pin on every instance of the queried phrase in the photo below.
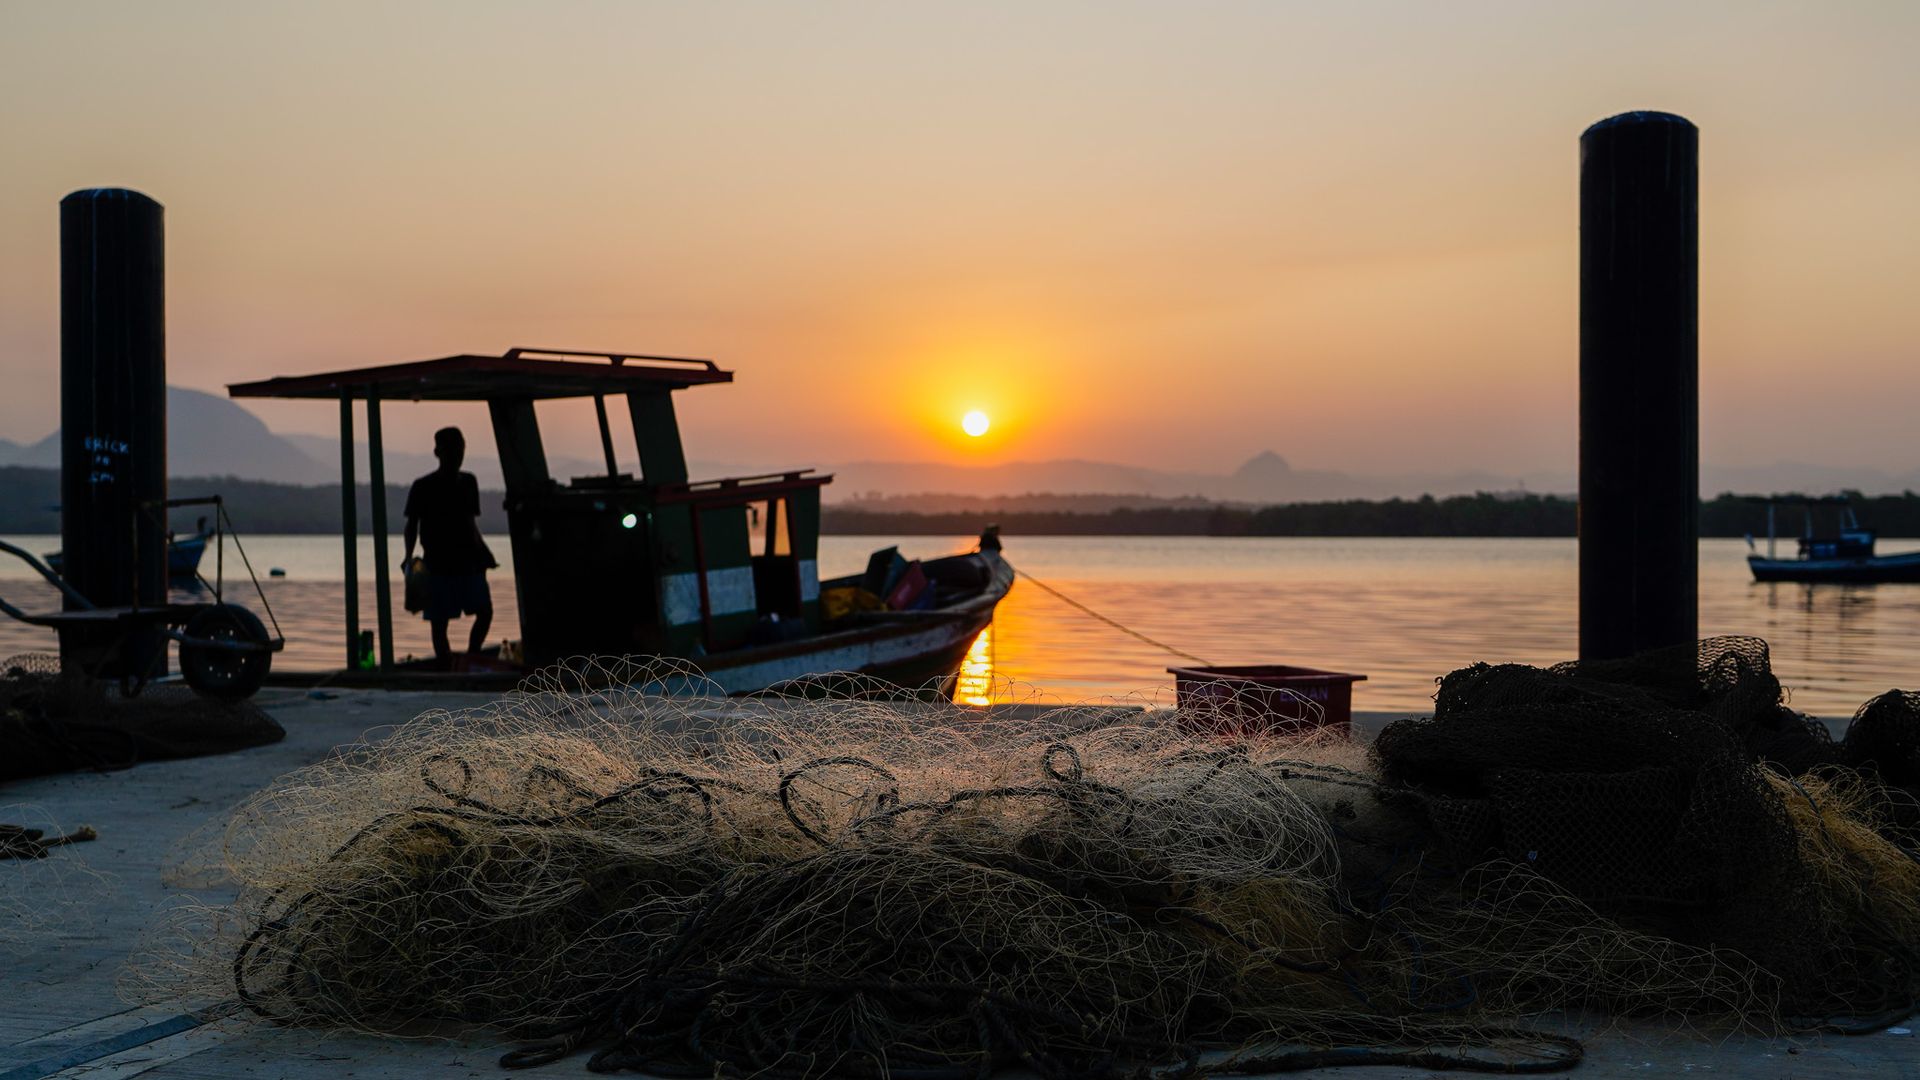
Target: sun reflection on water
(975, 686)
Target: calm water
(1400, 611)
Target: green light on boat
(629, 521)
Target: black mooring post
(113, 422)
(1639, 384)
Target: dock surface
(68, 924)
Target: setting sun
(974, 423)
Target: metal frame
(168, 616)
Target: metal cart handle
(42, 569)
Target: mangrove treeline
(1460, 515)
(30, 503)
(29, 499)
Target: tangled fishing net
(53, 722)
(1676, 794)
(44, 884)
(837, 885)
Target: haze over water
(1400, 611)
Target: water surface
(1401, 611)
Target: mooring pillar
(1639, 384)
(113, 423)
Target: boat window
(575, 449)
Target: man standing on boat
(443, 514)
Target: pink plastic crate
(1253, 698)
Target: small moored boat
(1844, 556)
(183, 558)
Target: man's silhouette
(443, 514)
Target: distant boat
(1845, 556)
(183, 557)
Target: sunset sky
(1162, 234)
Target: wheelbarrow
(225, 650)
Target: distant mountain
(864, 479)
(208, 435)
(401, 465)
(1001, 504)
(1265, 478)
(408, 465)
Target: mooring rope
(1115, 623)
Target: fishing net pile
(44, 884)
(844, 886)
(1676, 794)
(55, 722)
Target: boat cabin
(1846, 544)
(1848, 540)
(608, 564)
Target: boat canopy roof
(1799, 500)
(523, 374)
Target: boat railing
(618, 359)
(741, 488)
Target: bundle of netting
(54, 721)
(833, 886)
(1676, 795)
(1884, 739)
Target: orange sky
(1165, 234)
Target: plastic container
(909, 588)
(1260, 698)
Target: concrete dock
(69, 922)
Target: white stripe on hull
(729, 592)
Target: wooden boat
(1844, 556)
(721, 574)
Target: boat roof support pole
(350, 529)
(656, 433)
(700, 576)
(606, 434)
(377, 476)
(516, 435)
(1770, 530)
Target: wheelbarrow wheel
(227, 674)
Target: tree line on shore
(33, 496)
(1725, 515)
(32, 504)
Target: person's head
(450, 447)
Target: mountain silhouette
(207, 435)
(210, 436)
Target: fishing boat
(722, 574)
(1845, 555)
(183, 558)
